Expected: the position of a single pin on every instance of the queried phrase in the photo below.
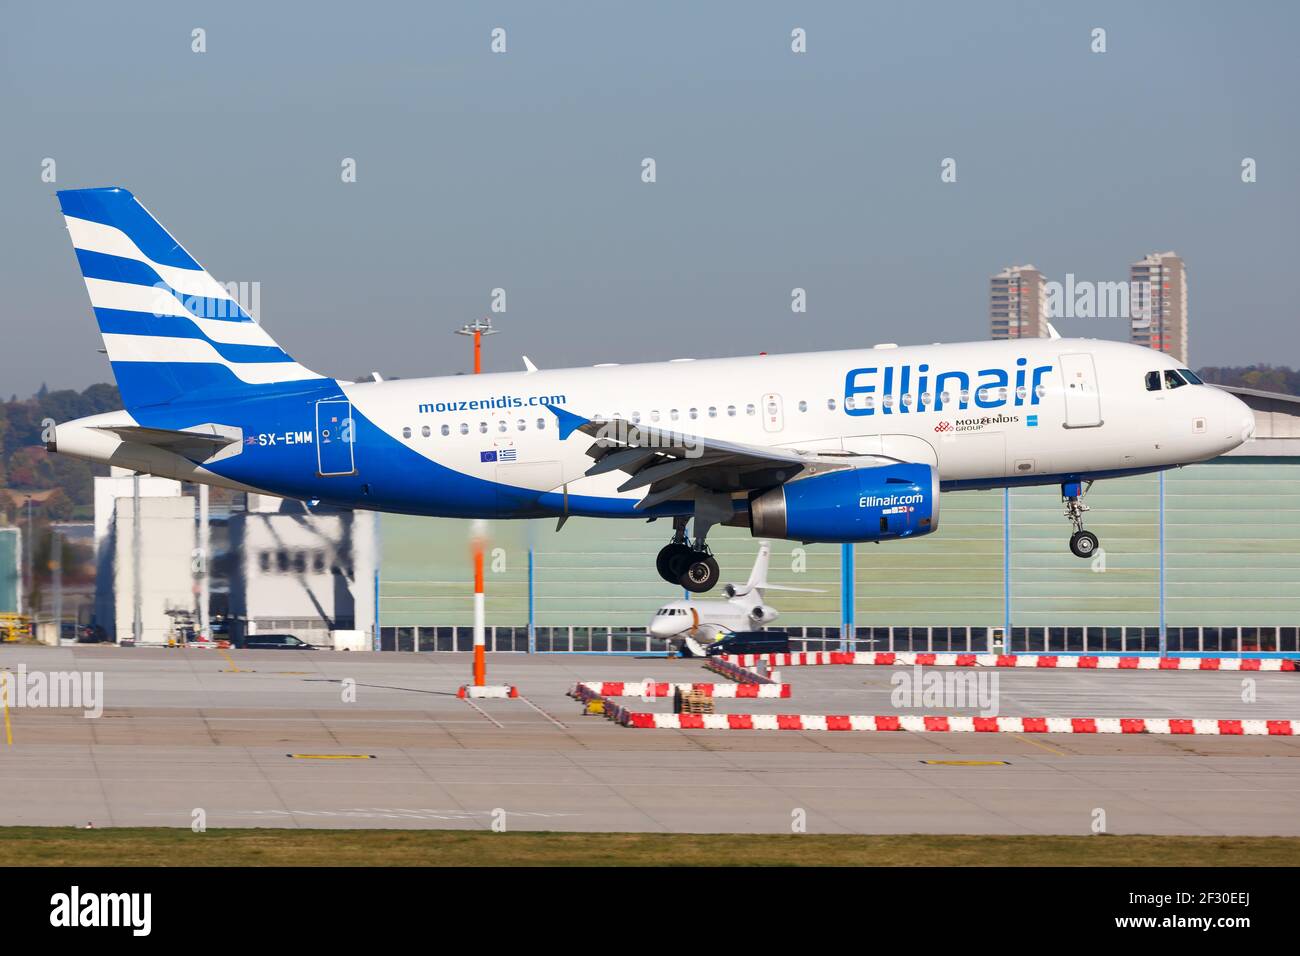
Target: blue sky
(522, 171)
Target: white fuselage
(1102, 420)
(983, 414)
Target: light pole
(137, 598)
(31, 572)
(479, 328)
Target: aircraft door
(1079, 382)
(773, 413)
(335, 438)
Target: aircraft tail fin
(169, 328)
(758, 576)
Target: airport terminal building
(1200, 559)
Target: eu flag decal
(487, 456)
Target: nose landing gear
(685, 563)
(1084, 544)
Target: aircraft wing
(671, 464)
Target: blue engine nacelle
(855, 504)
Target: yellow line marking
(968, 763)
(234, 668)
(1030, 740)
(332, 756)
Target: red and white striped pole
(480, 610)
(478, 539)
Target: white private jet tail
(752, 590)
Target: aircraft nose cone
(1239, 420)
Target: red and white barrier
(659, 689)
(915, 658)
(924, 724)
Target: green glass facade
(1231, 549)
(11, 571)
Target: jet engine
(852, 505)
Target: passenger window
(482, 427)
(425, 431)
(406, 432)
(464, 428)
(673, 414)
(1153, 381)
(541, 424)
(731, 411)
(830, 404)
(694, 413)
(1172, 379)
(713, 411)
(803, 407)
(446, 430)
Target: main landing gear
(1084, 544)
(685, 563)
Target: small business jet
(692, 624)
(845, 446)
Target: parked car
(751, 642)
(273, 642)
(91, 634)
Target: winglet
(567, 421)
(528, 365)
(1051, 331)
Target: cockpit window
(1153, 381)
(1191, 376)
(1173, 379)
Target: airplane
(839, 446)
(692, 624)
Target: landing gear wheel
(1084, 544)
(699, 573)
(671, 561)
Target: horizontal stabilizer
(200, 442)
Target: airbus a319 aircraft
(844, 446)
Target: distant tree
(29, 469)
(102, 398)
(1265, 378)
(58, 506)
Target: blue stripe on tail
(137, 276)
